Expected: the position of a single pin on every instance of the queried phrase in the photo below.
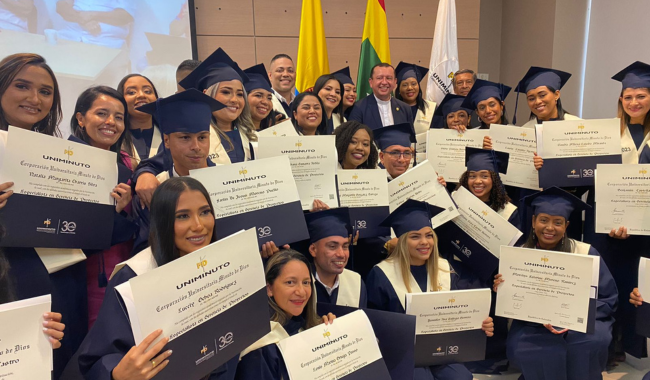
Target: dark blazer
(366, 111)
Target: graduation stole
(580, 247)
(156, 140)
(141, 263)
(277, 334)
(394, 274)
(629, 152)
(349, 289)
(507, 210)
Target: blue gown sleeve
(363, 298)
(381, 295)
(262, 364)
(154, 165)
(607, 291)
(644, 158)
(515, 219)
(110, 337)
(356, 114)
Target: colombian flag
(312, 49)
(374, 45)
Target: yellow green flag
(312, 48)
(374, 46)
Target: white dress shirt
(385, 112)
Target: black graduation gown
(323, 296)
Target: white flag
(444, 53)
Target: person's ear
(312, 250)
(269, 292)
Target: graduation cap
(555, 202)
(450, 103)
(483, 90)
(218, 67)
(411, 215)
(344, 75)
(188, 111)
(400, 134)
(636, 75)
(483, 159)
(540, 76)
(258, 77)
(326, 223)
(409, 70)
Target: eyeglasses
(396, 155)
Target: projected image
(88, 42)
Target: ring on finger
(153, 364)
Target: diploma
(253, 195)
(643, 311)
(448, 325)
(421, 184)
(446, 150)
(521, 145)
(572, 148)
(313, 163)
(282, 129)
(346, 349)
(61, 192)
(545, 287)
(56, 259)
(25, 351)
(477, 234)
(210, 303)
(365, 192)
(623, 198)
(421, 145)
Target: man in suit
(381, 109)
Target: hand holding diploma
(635, 298)
(142, 362)
(53, 328)
(3, 198)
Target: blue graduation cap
(636, 75)
(540, 76)
(218, 67)
(343, 75)
(400, 134)
(258, 77)
(483, 90)
(483, 159)
(555, 202)
(450, 103)
(406, 70)
(411, 215)
(188, 111)
(326, 223)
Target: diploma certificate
(365, 192)
(421, 145)
(210, 303)
(545, 287)
(623, 198)
(61, 192)
(253, 194)
(421, 184)
(25, 351)
(446, 150)
(346, 349)
(283, 128)
(313, 163)
(572, 148)
(448, 325)
(521, 145)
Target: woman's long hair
(344, 134)
(127, 146)
(320, 83)
(243, 122)
(565, 245)
(10, 66)
(273, 269)
(498, 196)
(560, 110)
(322, 128)
(625, 118)
(163, 211)
(85, 102)
(401, 256)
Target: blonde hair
(625, 118)
(402, 256)
(244, 121)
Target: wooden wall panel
(344, 52)
(224, 17)
(468, 54)
(241, 49)
(277, 18)
(411, 18)
(267, 47)
(344, 18)
(468, 14)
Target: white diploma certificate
(421, 145)
(450, 311)
(579, 138)
(334, 351)
(644, 278)
(313, 163)
(283, 128)
(51, 167)
(421, 184)
(623, 198)
(521, 144)
(25, 351)
(483, 224)
(56, 259)
(446, 150)
(191, 290)
(545, 287)
(363, 188)
(248, 186)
